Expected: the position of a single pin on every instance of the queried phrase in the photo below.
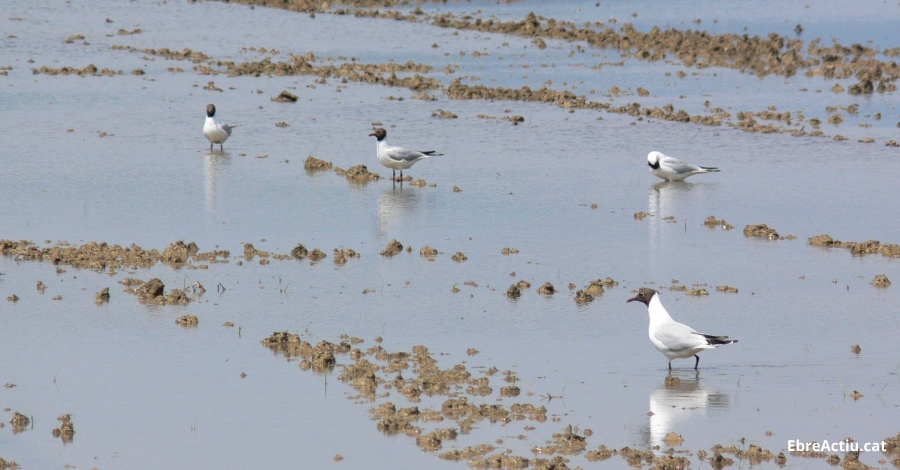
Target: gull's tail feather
(716, 340)
(709, 169)
(430, 153)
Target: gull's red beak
(631, 299)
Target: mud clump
(300, 251)
(5, 464)
(569, 442)
(459, 257)
(671, 439)
(13, 298)
(440, 113)
(546, 289)
(881, 281)
(150, 289)
(761, 231)
(19, 422)
(66, 431)
(513, 292)
(468, 453)
(250, 252)
(285, 97)
(582, 297)
(510, 391)
(640, 215)
(431, 442)
(102, 296)
(855, 349)
(187, 320)
(90, 70)
(341, 256)
(393, 248)
(890, 250)
(727, 289)
(596, 287)
(428, 252)
(313, 164)
(509, 251)
(672, 381)
(361, 174)
(712, 222)
(316, 255)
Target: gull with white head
(675, 340)
(673, 169)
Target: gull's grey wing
(400, 154)
(227, 128)
(678, 337)
(678, 166)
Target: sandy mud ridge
(891, 250)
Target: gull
(673, 169)
(397, 158)
(215, 130)
(675, 340)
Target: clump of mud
(712, 222)
(152, 291)
(761, 231)
(546, 289)
(341, 256)
(514, 291)
(440, 113)
(187, 320)
(855, 349)
(393, 248)
(509, 251)
(459, 257)
(428, 252)
(102, 257)
(19, 422)
(66, 431)
(316, 255)
(672, 439)
(727, 289)
(359, 174)
(320, 357)
(90, 70)
(699, 292)
(640, 215)
(285, 97)
(299, 251)
(102, 296)
(313, 164)
(891, 250)
(582, 297)
(881, 281)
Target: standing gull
(673, 169)
(215, 130)
(675, 340)
(397, 158)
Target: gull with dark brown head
(675, 340)
(673, 169)
(215, 130)
(397, 158)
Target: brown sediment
(457, 190)
(285, 97)
(754, 453)
(891, 250)
(250, 252)
(440, 113)
(66, 431)
(596, 287)
(418, 183)
(697, 292)
(13, 298)
(546, 289)
(428, 252)
(102, 296)
(855, 349)
(19, 422)
(514, 119)
(341, 256)
(467, 453)
(100, 256)
(90, 70)
(188, 320)
(672, 381)
(523, 284)
(459, 256)
(583, 297)
(358, 174)
(672, 439)
(509, 251)
(299, 251)
(5, 464)
(712, 222)
(316, 255)
(761, 231)
(881, 281)
(727, 289)
(640, 215)
(393, 247)
(514, 291)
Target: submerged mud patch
(891, 250)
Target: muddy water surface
(144, 391)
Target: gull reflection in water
(215, 164)
(394, 204)
(669, 199)
(679, 399)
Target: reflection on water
(394, 204)
(214, 164)
(667, 199)
(680, 398)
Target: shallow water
(145, 392)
